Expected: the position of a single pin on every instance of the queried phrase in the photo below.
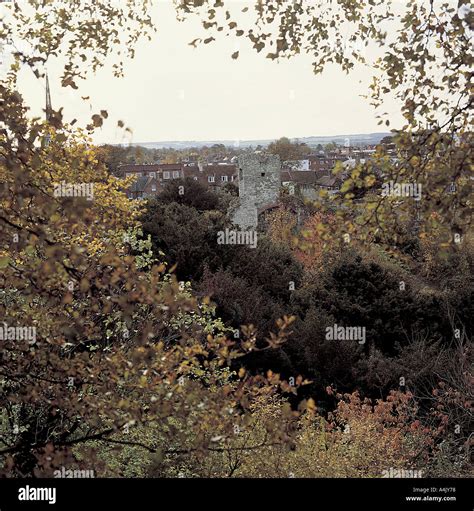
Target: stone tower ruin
(259, 186)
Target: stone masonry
(259, 186)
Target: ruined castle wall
(245, 216)
(259, 186)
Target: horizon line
(247, 140)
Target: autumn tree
(281, 225)
(97, 336)
(288, 150)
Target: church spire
(49, 108)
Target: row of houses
(307, 177)
(152, 178)
(308, 183)
(324, 161)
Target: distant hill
(360, 139)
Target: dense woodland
(160, 353)
(417, 307)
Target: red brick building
(323, 164)
(152, 178)
(213, 175)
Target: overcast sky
(172, 91)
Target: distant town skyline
(174, 92)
